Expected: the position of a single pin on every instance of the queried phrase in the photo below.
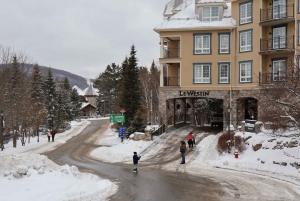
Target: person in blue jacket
(136, 159)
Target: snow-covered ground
(47, 181)
(27, 175)
(276, 163)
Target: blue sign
(122, 131)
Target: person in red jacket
(190, 141)
(53, 132)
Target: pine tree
(66, 96)
(131, 94)
(107, 84)
(37, 100)
(60, 115)
(50, 98)
(75, 104)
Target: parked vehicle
(217, 120)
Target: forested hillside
(59, 75)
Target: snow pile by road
(36, 178)
(112, 150)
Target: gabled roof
(187, 19)
(84, 105)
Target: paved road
(148, 184)
(155, 184)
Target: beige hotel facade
(223, 50)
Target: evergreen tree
(37, 106)
(60, 114)
(50, 98)
(107, 84)
(131, 94)
(66, 95)
(75, 104)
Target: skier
(190, 141)
(182, 151)
(136, 159)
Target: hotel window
(202, 43)
(210, 14)
(224, 73)
(279, 9)
(279, 69)
(246, 40)
(246, 12)
(224, 43)
(246, 71)
(202, 72)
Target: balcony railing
(277, 13)
(171, 81)
(277, 44)
(271, 77)
(171, 52)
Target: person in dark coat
(136, 159)
(48, 135)
(53, 132)
(182, 151)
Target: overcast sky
(82, 36)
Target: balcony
(171, 52)
(277, 15)
(171, 81)
(277, 45)
(271, 77)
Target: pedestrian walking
(182, 151)
(190, 141)
(48, 135)
(53, 132)
(136, 159)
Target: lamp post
(228, 124)
(1, 130)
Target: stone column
(191, 111)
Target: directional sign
(117, 118)
(122, 131)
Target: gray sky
(82, 36)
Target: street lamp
(228, 124)
(1, 130)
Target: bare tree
(280, 96)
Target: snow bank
(35, 177)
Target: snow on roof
(80, 92)
(187, 18)
(83, 105)
(169, 8)
(90, 91)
